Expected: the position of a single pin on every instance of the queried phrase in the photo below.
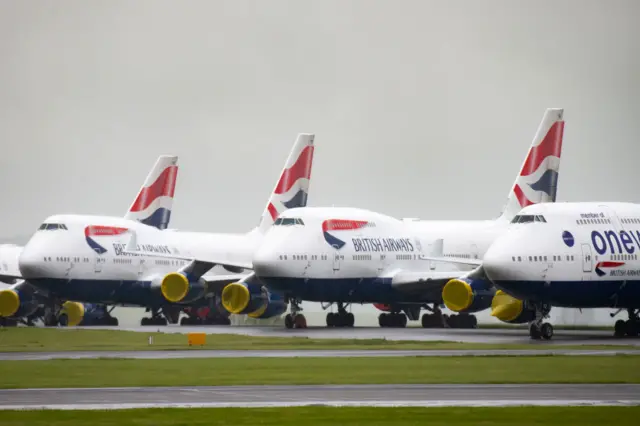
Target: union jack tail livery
(292, 188)
(153, 204)
(537, 181)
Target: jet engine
(176, 287)
(467, 295)
(252, 300)
(511, 310)
(71, 314)
(19, 301)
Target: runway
(479, 335)
(336, 395)
(304, 353)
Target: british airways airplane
(347, 255)
(572, 255)
(85, 259)
(164, 172)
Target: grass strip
(310, 416)
(284, 371)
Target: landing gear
(631, 327)
(462, 321)
(295, 319)
(204, 316)
(538, 329)
(342, 318)
(393, 319)
(155, 319)
(8, 322)
(435, 319)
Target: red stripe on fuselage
(551, 145)
(99, 230)
(164, 186)
(300, 169)
(342, 224)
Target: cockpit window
(53, 226)
(288, 221)
(528, 218)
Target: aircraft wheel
(288, 321)
(300, 321)
(620, 329)
(63, 320)
(184, 321)
(382, 320)
(546, 331)
(632, 328)
(331, 319)
(534, 332)
(351, 320)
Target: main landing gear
(295, 319)
(631, 327)
(436, 319)
(392, 319)
(204, 316)
(342, 318)
(161, 317)
(538, 329)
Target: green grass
(23, 339)
(268, 371)
(311, 416)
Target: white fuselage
(358, 260)
(72, 265)
(584, 255)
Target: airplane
(342, 256)
(87, 258)
(571, 255)
(152, 206)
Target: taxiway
(373, 395)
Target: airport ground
(289, 376)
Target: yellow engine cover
(504, 307)
(235, 297)
(174, 287)
(457, 295)
(9, 302)
(74, 311)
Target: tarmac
(332, 395)
(304, 353)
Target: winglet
(154, 201)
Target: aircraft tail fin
(537, 181)
(292, 188)
(153, 204)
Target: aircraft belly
(577, 294)
(102, 291)
(355, 290)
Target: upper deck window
(53, 226)
(288, 221)
(528, 218)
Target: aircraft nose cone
(266, 262)
(30, 264)
(497, 263)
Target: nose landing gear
(295, 319)
(538, 329)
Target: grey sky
(421, 108)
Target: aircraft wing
(9, 269)
(196, 268)
(428, 282)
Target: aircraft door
(336, 259)
(587, 260)
(98, 264)
(141, 268)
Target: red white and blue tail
(292, 188)
(154, 202)
(537, 181)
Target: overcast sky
(421, 108)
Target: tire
(546, 331)
(288, 321)
(351, 320)
(620, 329)
(534, 332)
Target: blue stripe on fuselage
(350, 290)
(577, 294)
(106, 291)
